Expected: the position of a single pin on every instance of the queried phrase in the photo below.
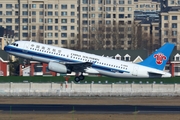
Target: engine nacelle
(57, 67)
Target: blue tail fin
(159, 58)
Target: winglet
(159, 58)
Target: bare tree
(40, 36)
(115, 36)
(78, 43)
(97, 36)
(72, 43)
(29, 36)
(119, 35)
(140, 39)
(135, 36)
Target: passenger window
(37, 46)
(54, 50)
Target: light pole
(19, 30)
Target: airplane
(62, 60)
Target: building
(147, 5)
(100, 17)
(4, 67)
(6, 37)
(170, 25)
(50, 22)
(2, 43)
(149, 22)
(155, 34)
(171, 3)
(65, 23)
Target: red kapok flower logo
(159, 58)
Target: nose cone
(6, 48)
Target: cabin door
(26, 47)
(135, 71)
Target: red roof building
(4, 67)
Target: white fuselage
(101, 65)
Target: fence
(71, 89)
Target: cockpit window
(15, 44)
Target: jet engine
(57, 67)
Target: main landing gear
(79, 78)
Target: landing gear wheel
(77, 79)
(81, 77)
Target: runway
(66, 108)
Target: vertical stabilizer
(159, 58)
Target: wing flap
(77, 66)
(76, 63)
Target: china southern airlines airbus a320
(63, 60)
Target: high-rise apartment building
(170, 26)
(171, 3)
(147, 5)
(45, 21)
(97, 16)
(59, 22)
(87, 24)
(149, 22)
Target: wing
(77, 66)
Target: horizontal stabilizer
(159, 72)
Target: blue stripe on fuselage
(58, 58)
